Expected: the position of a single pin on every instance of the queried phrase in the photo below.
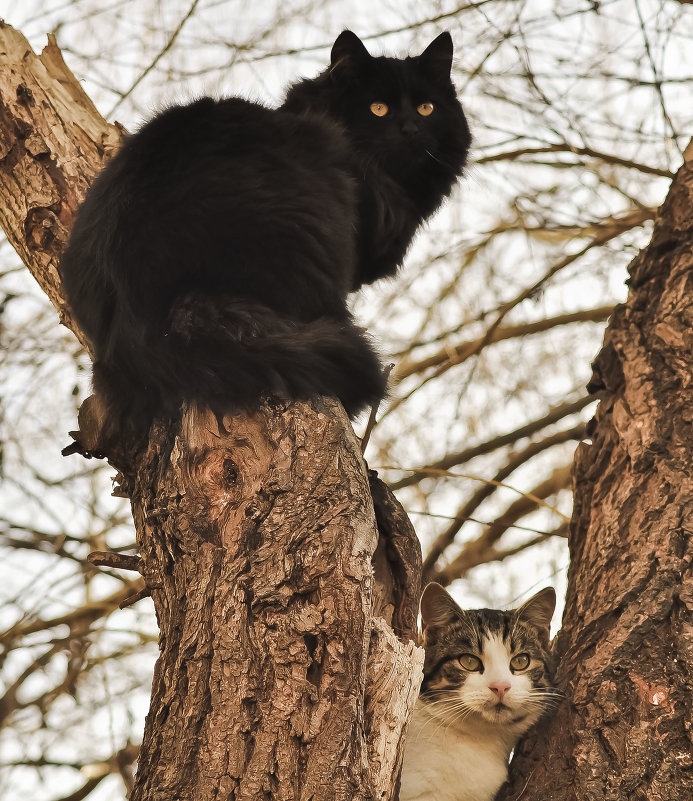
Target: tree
(625, 649)
(576, 112)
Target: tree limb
(460, 457)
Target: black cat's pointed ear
(436, 59)
(348, 53)
(538, 611)
(437, 608)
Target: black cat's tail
(229, 355)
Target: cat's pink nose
(500, 688)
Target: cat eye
(520, 662)
(379, 109)
(425, 109)
(470, 662)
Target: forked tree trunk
(286, 669)
(625, 651)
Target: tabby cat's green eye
(470, 662)
(519, 662)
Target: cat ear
(348, 52)
(436, 59)
(538, 611)
(437, 607)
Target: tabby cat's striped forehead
(467, 632)
(474, 625)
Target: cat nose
(500, 688)
(409, 127)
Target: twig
(121, 561)
(85, 789)
(483, 548)
(657, 82)
(157, 58)
(447, 537)
(455, 354)
(370, 425)
(145, 592)
(82, 616)
(511, 155)
(454, 459)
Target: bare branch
(447, 537)
(113, 559)
(169, 44)
(482, 549)
(609, 158)
(79, 619)
(454, 459)
(85, 789)
(456, 354)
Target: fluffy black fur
(212, 258)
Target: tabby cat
(212, 258)
(488, 677)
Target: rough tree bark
(286, 669)
(626, 647)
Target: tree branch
(447, 537)
(482, 549)
(460, 457)
(456, 354)
(608, 158)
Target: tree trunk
(258, 545)
(626, 647)
(280, 675)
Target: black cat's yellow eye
(425, 109)
(379, 109)
(520, 662)
(470, 662)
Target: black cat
(212, 258)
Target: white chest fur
(446, 763)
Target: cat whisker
(458, 718)
(449, 717)
(545, 698)
(454, 718)
(448, 712)
(543, 701)
(444, 708)
(549, 701)
(435, 158)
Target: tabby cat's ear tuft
(436, 59)
(348, 53)
(438, 608)
(538, 611)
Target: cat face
(402, 114)
(487, 664)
